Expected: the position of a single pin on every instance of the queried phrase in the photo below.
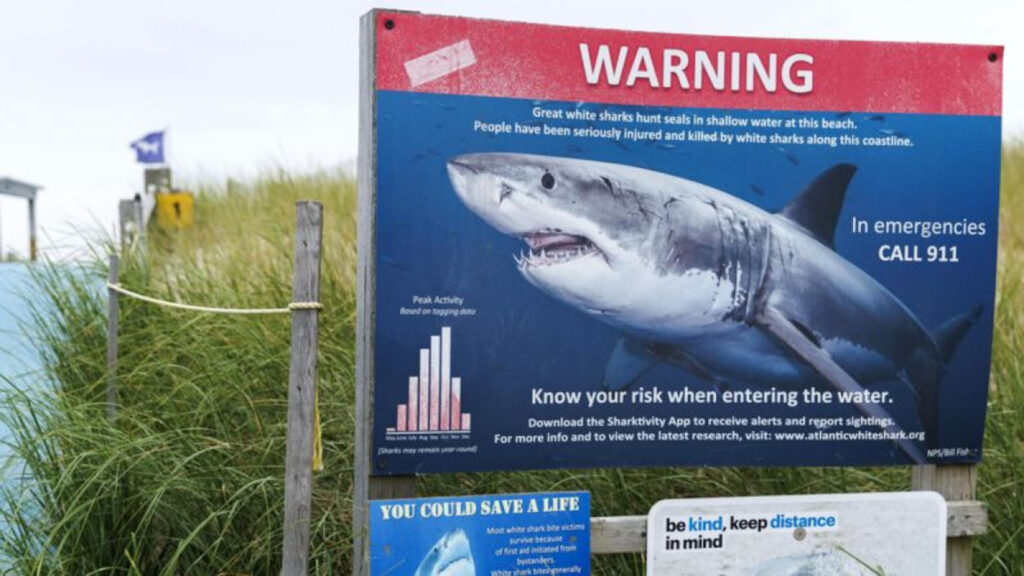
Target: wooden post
(112, 311)
(140, 221)
(298, 481)
(126, 214)
(955, 483)
(32, 242)
(365, 487)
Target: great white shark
(450, 556)
(698, 278)
(820, 562)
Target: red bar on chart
(424, 389)
(402, 419)
(456, 403)
(446, 365)
(435, 382)
(413, 401)
(465, 422)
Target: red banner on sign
(450, 55)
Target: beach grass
(188, 479)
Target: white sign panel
(891, 534)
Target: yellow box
(175, 210)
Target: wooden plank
(618, 534)
(298, 481)
(366, 487)
(954, 483)
(112, 311)
(387, 487)
(966, 518)
(628, 534)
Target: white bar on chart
(465, 422)
(435, 382)
(424, 403)
(446, 364)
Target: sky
(250, 85)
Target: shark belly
(748, 355)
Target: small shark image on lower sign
(697, 278)
(450, 556)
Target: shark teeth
(554, 255)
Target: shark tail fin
(948, 336)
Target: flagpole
(167, 148)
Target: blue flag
(150, 148)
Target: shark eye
(547, 180)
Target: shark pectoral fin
(821, 362)
(817, 208)
(629, 361)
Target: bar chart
(434, 402)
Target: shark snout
(479, 182)
(466, 177)
(463, 164)
(462, 167)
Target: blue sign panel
(503, 535)
(589, 284)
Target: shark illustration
(450, 556)
(694, 277)
(820, 563)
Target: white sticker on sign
(440, 63)
(836, 534)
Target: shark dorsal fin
(817, 208)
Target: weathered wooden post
(112, 312)
(298, 484)
(954, 483)
(128, 228)
(365, 487)
(140, 221)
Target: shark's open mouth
(461, 566)
(549, 247)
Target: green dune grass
(190, 478)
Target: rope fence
(212, 309)
(318, 458)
